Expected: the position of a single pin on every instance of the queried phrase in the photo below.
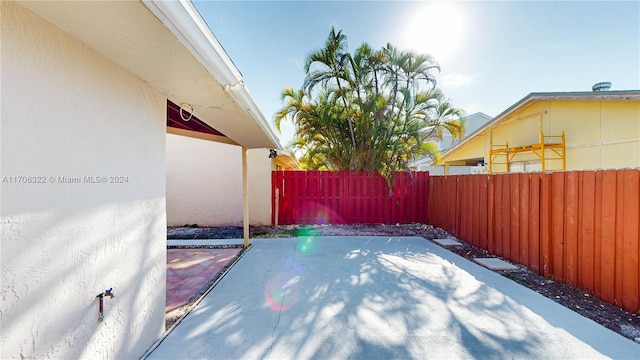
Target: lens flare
(306, 232)
(319, 214)
(307, 245)
(282, 292)
(321, 218)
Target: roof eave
(184, 21)
(536, 96)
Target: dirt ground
(623, 322)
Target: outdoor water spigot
(100, 297)
(109, 293)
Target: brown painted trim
(199, 135)
(194, 124)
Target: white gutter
(184, 21)
(186, 24)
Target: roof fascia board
(589, 95)
(184, 21)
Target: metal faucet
(101, 296)
(109, 293)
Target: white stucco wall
(204, 182)
(259, 179)
(69, 112)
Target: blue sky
(492, 54)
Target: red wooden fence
(579, 227)
(345, 197)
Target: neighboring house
(471, 124)
(84, 121)
(556, 131)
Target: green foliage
(375, 110)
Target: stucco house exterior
(556, 131)
(84, 90)
(204, 181)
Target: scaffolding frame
(549, 147)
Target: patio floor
(188, 270)
(378, 297)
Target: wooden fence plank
(399, 198)
(474, 199)
(335, 195)
(557, 224)
(483, 201)
(619, 240)
(436, 211)
(462, 208)
(274, 181)
(597, 235)
(425, 195)
(314, 215)
(492, 214)
(586, 221)
(285, 209)
(631, 214)
(571, 229)
(514, 210)
(534, 230)
(472, 204)
(506, 216)
(499, 221)
(608, 236)
(546, 248)
(451, 203)
(523, 223)
(345, 213)
(326, 200)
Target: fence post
(277, 205)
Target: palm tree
(296, 107)
(375, 111)
(447, 118)
(335, 62)
(321, 129)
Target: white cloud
(456, 80)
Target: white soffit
(130, 35)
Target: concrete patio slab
(378, 298)
(447, 242)
(495, 264)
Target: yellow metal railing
(546, 151)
